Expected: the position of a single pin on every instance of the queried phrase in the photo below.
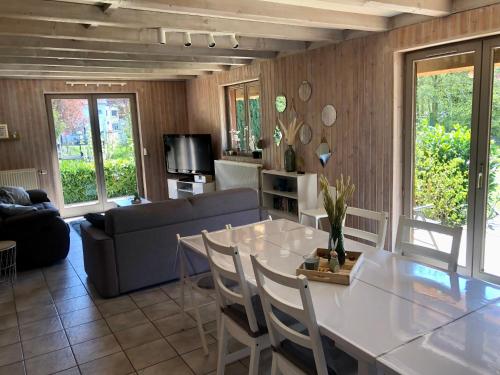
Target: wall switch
(145, 151)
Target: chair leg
(254, 359)
(222, 347)
(274, 366)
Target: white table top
(470, 345)
(392, 301)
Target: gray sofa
(138, 246)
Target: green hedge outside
(79, 179)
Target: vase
(337, 238)
(290, 159)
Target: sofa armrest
(38, 196)
(30, 218)
(100, 260)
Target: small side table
(7, 261)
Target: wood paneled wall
(161, 109)
(362, 78)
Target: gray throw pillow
(6, 197)
(19, 195)
(7, 210)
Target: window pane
(443, 105)
(237, 118)
(254, 114)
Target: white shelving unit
(285, 194)
(183, 189)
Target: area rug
(75, 224)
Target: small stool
(7, 261)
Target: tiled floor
(53, 321)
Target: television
(188, 153)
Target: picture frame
(4, 131)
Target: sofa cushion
(97, 220)
(224, 202)
(6, 197)
(7, 209)
(18, 194)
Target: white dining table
(391, 303)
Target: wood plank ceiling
(144, 39)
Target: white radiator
(234, 174)
(25, 178)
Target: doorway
(452, 149)
(96, 144)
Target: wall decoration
(277, 135)
(4, 131)
(305, 91)
(323, 152)
(305, 134)
(290, 136)
(329, 115)
(280, 103)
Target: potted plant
(290, 133)
(336, 209)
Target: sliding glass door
(451, 149)
(94, 137)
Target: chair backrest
(304, 313)
(269, 218)
(377, 238)
(333, 193)
(222, 270)
(404, 247)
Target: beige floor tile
(96, 348)
(87, 331)
(173, 290)
(36, 314)
(13, 369)
(126, 320)
(10, 354)
(7, 307)
(115, 364)
(174, 323)
(40, 328)
(9, 336)
(175, 366)
(38, 298)
(187, 341)
(149, 297)
(8, 321)
(117, 306)
(233, 369)
(208, 313)
(63, 282)
(50, 363)
(161, 310)
(29, 286)
(70, 371)
(150, 354)
(45, 344)
(74, 304)
(199, 362)
(138, 335)
(6, 293)
(78, 317)
(68, 293)
(201, 299)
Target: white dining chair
(269, 218)
(295, 351)
(239, 309)
(319, 212)
(381, 218)
(405, 247)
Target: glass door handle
(480, 177)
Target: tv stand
(183, 187)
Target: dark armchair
(42, 236)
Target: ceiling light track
(95, 83)
(187, 41)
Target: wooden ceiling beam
(91, 76)
(100, 70)
(434, 8)
(64, 30)
(82, 55)
(110, 64)
(261, 11)
(88, 14)
(129, 48)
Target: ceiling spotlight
(211, 40)
(162, 36)
(234, 41)
(186, 38)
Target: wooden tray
(344, 276)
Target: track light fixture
(186, 38)
(162, 35)
(234, 41)
(211, 40)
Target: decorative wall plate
(323, 152)
(305, 91)
(280, 103)
(329, 115)
(305, 134)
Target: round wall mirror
(305, 134)
(329, 115)
(305, 91)
(280, 103)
